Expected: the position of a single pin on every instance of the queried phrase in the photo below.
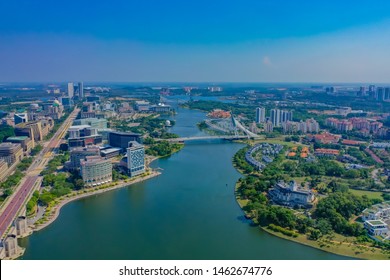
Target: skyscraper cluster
(76, 90)
(277, 117)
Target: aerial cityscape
(206, 131)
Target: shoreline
(320, 244)
(55, 211)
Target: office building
(135, 159)
(26, 143)
(260, 115)
(95, 171)
(70, 90)
(160, 108)
(92, 122)
(122, 139)
(362, 91)
(35, 130)
(110, 152)
(93, 98)
(78, 154)
(380, 94)
(67, 102)
(11, 153)
(20, 118)
(387, 94)
(81, 90)
(3, 169)
(83, 135)
(142, 106)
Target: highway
(22, 192)
(14, 205)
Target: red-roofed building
(325, 138)
(351, 142)
(326, 152)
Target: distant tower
(260, 115)
(70, 90)
(81, 90)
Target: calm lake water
(188, 212)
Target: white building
(291, 195)
(70, 90)
(377, 228)
(379, 211)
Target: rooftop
(78, 127)
(376, 222)
(17, 138)
(125, 133)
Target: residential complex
(260, 115)
(309, 126)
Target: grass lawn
(370, 194)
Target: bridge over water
(209, 137)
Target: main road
(19, 198)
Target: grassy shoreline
(335, 243)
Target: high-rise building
(380, 94)
(70, 90)
(275, 117)
(387, 94)
(362, 91)
(81, 90)
(285, 116)
(95, 171)
(260, 115)
(278, 117)
(135, 159)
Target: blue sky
(200, 41)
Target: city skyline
(172, 41)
